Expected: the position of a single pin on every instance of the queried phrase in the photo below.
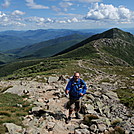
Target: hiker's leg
(77, 105)
(77, 108)
(70, 112)
(71, 107)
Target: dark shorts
(74, 104)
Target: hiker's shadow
(58, 115)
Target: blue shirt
(76, 87)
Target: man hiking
(76, 88)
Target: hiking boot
(68, 120)
(77, 116)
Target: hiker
(76, 88)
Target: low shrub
(89, 117)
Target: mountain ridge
(113, 42)
(106, 34)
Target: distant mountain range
(18, 39)
(50, 47)
(36, 43)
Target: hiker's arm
(68, 87)
(84, 89)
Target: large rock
(16, 90)
(81, 131)
(112, 95)
(52, 79)
(13, 128)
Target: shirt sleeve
(84, 87)
(68, 87)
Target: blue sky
(65, 14)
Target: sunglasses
(76, 76)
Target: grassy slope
(86, 51)
(11, 67)
(6, 57)
(117, 48)
(56, 48)
(10, 112)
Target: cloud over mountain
(109, 12)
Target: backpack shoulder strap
(81, 82)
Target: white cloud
(19, 24)
(72, 20)
(61, 21)
(69, 15)
(65, 5)
(33, 5)
(2, 14)
(75, 20)
(109, 12)
(18, 12)
(6, 4)
(55, 8)
(89, 1)
(5, 19)
(40, 20)
(85, 1)
(34, 19)
(9, 20)
(66, 20)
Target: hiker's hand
(67, 91)
(81, 94)
(67, 95)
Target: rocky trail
(101, 113)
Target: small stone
(77, 131)
(50, 126)
(102, 127)
(93, 127)
(83, 126)
(40, 100)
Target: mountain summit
(113, 46)
(116, 33)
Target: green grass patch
(6, 113)
(10, 112)
(127, 97)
